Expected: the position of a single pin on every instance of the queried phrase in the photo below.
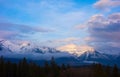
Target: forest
(51, 69)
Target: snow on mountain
(3, 47)
(15, 47)
(24, 47)
(76, 50)
(87, 54)
(29, 50)
(78, 54)
(84, 54)
(93, 55)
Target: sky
(57, 23)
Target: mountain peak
(76, 49)
(25, 44)
(24, 47)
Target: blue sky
(57, 22)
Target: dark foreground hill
(50, 69)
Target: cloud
(68, 40)
(105, 28)
(48, 12)
(61, 15)
(22, 28)
(10, 30)
(104, 32)
(7, 34)
(80, 27)
(88, 39)
(60, 42)
(107, 4)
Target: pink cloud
(107, 4)
(7, 34)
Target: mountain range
(74, 56)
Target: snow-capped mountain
(4, 47)
(72, 54)
(76, 50)
(94, 57)
(24, 47)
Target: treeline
(30, 69)
(105, 71)
(51, 69)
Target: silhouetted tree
(46, 68)
(115, 71)
(54, 68)
(2, 67)
(68, 66)
(108, 71)
(98, 70)
(63, 67)
(30, 69)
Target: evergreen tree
(68, 66)
(63, 67)
(115, 71)
(98, 70)
(8, 69)
(108, 71)
(46, 67)
(32, 69)
(53, 64)
(54, 68)
(2, 67)
(25, 67)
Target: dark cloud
(105, 32)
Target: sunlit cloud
(106, 5)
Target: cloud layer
(105, 32)
(10, 30)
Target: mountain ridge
(45, 53)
